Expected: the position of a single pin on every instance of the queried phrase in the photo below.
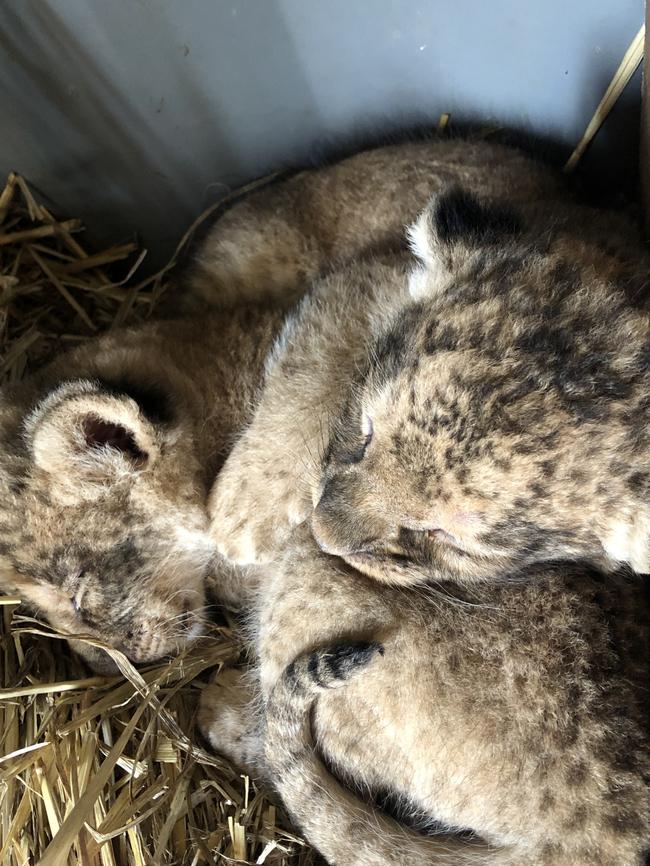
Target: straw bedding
(98, 771)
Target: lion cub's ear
(453, 227)
(85, 437)
(628, 540)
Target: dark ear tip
(458, 215)
(454, 212)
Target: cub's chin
(100, 662)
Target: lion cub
(106, 460)
(463, 414)
(108, 454)
(517, 710)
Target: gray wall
(137, 113)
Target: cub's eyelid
(77, 598)
(441, 535)
(367, 427)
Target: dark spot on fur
(524, 448)
(625, 821)
(549, 853)
(577, 819)
(459, 216)
(638, 482)
(312, 668)
(444, 339)
(547, 802)
(576, 774)
(547, 468)
(396, 346)
(539, 491)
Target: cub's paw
(228, 721)
(252, 519)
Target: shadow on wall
(611, 164)
(87, 138)
(89, 141)
(137, 115)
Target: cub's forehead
(29, 508)
(582, 352)
(98, 555)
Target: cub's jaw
(628, 542)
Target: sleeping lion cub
(516, 710)
(106, 460)
(464, 413)
(107, 455)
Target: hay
(105, 771)
(621, 78)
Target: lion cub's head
(102, 514)
(502, 418)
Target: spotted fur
(106, 458)
(509, 720)
(480, 410)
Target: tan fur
(364, 265)
(518, 711)
(110, 539)
(121, 531)
(464, 416)
(503, 380)
(275, 241)
(485, 709)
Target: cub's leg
(271, 243)
(229, 719)
(270, 479)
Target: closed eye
(77, 598)
(357, 455)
